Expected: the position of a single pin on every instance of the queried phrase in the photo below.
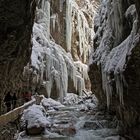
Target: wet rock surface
(69, 123)
(35, 130)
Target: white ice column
(68, 24)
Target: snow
(82, 68)
(51, 63)
(81, 101)
(71, 116)
(35, 116)
(113, 53)
(43, 16)
(49, 102)
(130, 11)
(80, 84)
(52, 135)
(82, 26)
(71, 99)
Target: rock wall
(83, 13)
(51, 66)
(71, 26)
(53, 70)
(114, 63)
(16, 21)
(58, 22)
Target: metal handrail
(19, 102)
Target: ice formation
(113, 53)
(82, 68)
(35, 116)
(68, 24)
(43, 15)
(51, 64)
(52, 68)
(79, 20)
(82, 23)
(48, 58)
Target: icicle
(45, 7)
(80, 85)
(48, 88)
(83, 69)
(61, 5)
(51, 61)
(68, 24)
(112, 57)
(119, 87)
(83, 29)
(53, 20)
(106, 83)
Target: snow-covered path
(81, 121)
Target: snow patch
(35, 116)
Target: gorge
(90, 47)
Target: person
(7, 100)
(14, 100)
(27, 96)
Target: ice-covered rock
(71, 99)
(49, 103)
(114, 64)
(35, 120)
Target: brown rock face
(115, 70)
(69, 24)
(35, 130)
(16, 21)
(58, 22)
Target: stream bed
(81, 121)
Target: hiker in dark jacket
(27, 96)
(8, 101)
(14, 100)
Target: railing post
(0, 106)
(38, 99)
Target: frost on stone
(35, 116)
(71, 99)
(49, 103)
(82, 68)
(113, 53)
(51, 64)
(43, 15)
(82, 25)
(48, 58)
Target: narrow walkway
(82, 121)
(15, 113)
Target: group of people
(10, 101)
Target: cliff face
(16, 21)
(71, 26)
(62, 35)
(114, 67)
